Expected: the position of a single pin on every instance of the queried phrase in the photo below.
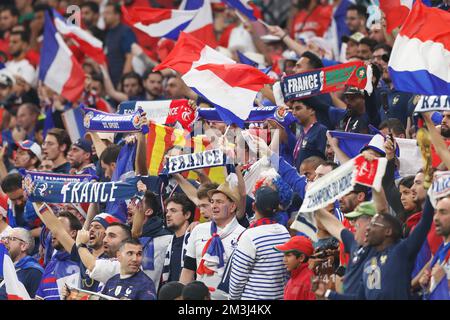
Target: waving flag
(14, 288)
(395, 12)
(246, 60)
(244, 7)
(162, 138)
(230, 87)
(88, 44)
(420, 58)
(167, 23)
(59, 69)
(410, 158)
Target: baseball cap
(376, 144)
(105, 219)
(84, 144)
(356, 37)
(364, 208)
(267, 200)
(300, 244)
(31, 146)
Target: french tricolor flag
(167, 23)
(244, 7)
(420, 58)
(229, 86)
(59, 69)
(395, 12)
(88, 44)
(15, 289)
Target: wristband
(82, 245)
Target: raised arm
(99, 145)
(330, 222)
(186, 187)
(340, 155)
(45, 213)
(138, 213)
(109, 87)
(141, 154)
(240, 213)
(437, 140)
(93, 210)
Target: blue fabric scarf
(95, 120)
(82, 192)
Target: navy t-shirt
(398, 104)
(137, 287)
(64, 168)
(313, 143)
(175, 260)
(118, 43)
(358, 256)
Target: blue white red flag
(15, 289)
(168, 23)
(230, 87)
(58, 67)
(73, 120)
(86, 42)
(420, 58)
(243, 7)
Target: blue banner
(31, 176)
(81, 192)
(302, 85)
(95, 120)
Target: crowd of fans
(368, 243)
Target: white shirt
(197, 241)
(24, 69)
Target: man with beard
(96, 234)
(20, 245)
(60, 265)
(98, 269)
(153, 85)
(179, 215)
(387, 274)
(20, 211)
(19, 65)
(79, 156)
(436, 279)
(356, 119)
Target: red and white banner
(341, 181)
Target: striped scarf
(213, 254)
(167, 260)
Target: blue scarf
(100, 121)
(213, 248)
(30, 176)
(28, 262)
(82, 192)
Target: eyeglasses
(12, 239)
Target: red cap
(298, 243)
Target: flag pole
(243, 20)
(265, 24)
